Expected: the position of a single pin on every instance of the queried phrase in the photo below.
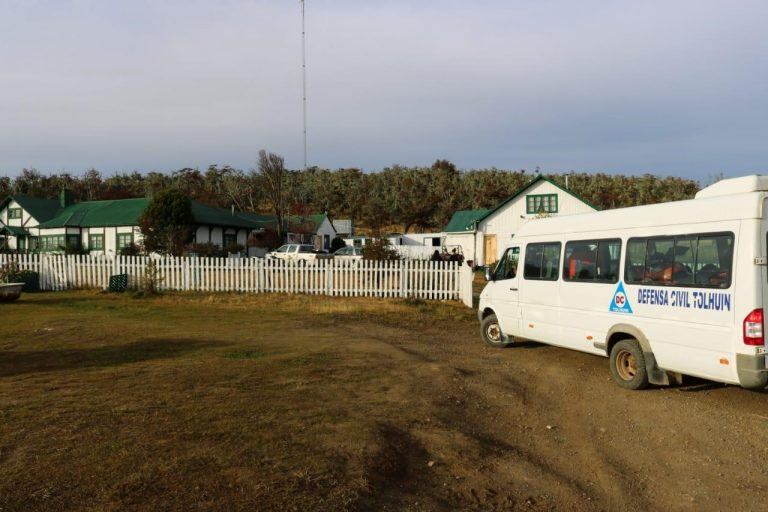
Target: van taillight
(753, 328)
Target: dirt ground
(232, 402)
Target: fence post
(466, 285)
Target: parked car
(349, 253)
(297, 252)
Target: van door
(504, 292)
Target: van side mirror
(488, 274)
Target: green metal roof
(126, 212)
(212, 216)
(39, 208)
(115, 212)
(464, 220)
(14, 231)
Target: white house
(108, 226)
(311, 229)
(20, 216)
(484, 234)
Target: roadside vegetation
(398, 197)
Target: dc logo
(620, 302)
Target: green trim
(52, 243)
(14, 213)
(14, 231)
(119, 247)
(531, 199)
(92, 238)
(529, 185)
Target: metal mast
(304, 81)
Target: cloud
(666, 87)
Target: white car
(349, 253)
(297, 252)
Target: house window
(52, 242)
(230, 239)
(14, 213)
(541, 203)
(96, 242)
(124, 240)
(73, 242)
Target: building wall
(420, 239)
(466, 241)
(325, 230)
(26, 221)
(507, 221)
(215, 235)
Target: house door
(490, 250)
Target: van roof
(692, 211)
(744, 184)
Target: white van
(663, 290)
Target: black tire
(628, 365)
(491, 332)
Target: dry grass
(193, 401)
(242, 402)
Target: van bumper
(751, 370)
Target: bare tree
(273, 174)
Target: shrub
(150, 280)
(11, 273)
(130, 250)
(380, 249)
(267, 239)
(8, 271)
(233, 248)
(337, 243)
(206, 250)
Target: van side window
(686, 260)
(542, 261)
(592, 261)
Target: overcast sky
(669, 87)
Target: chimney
(66, 198)
(233, 210)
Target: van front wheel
(491, 332)
(628, 365)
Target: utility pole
(304, 81)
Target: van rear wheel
(628, 365)
(491, 332)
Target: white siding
(26, 221)
(325, 229)
(507, 221)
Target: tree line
(413, 198)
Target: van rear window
(595, 261)
(700, 260)
(542, 261)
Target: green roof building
(108, 226)
(484, 235)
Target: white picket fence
(348, 278)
